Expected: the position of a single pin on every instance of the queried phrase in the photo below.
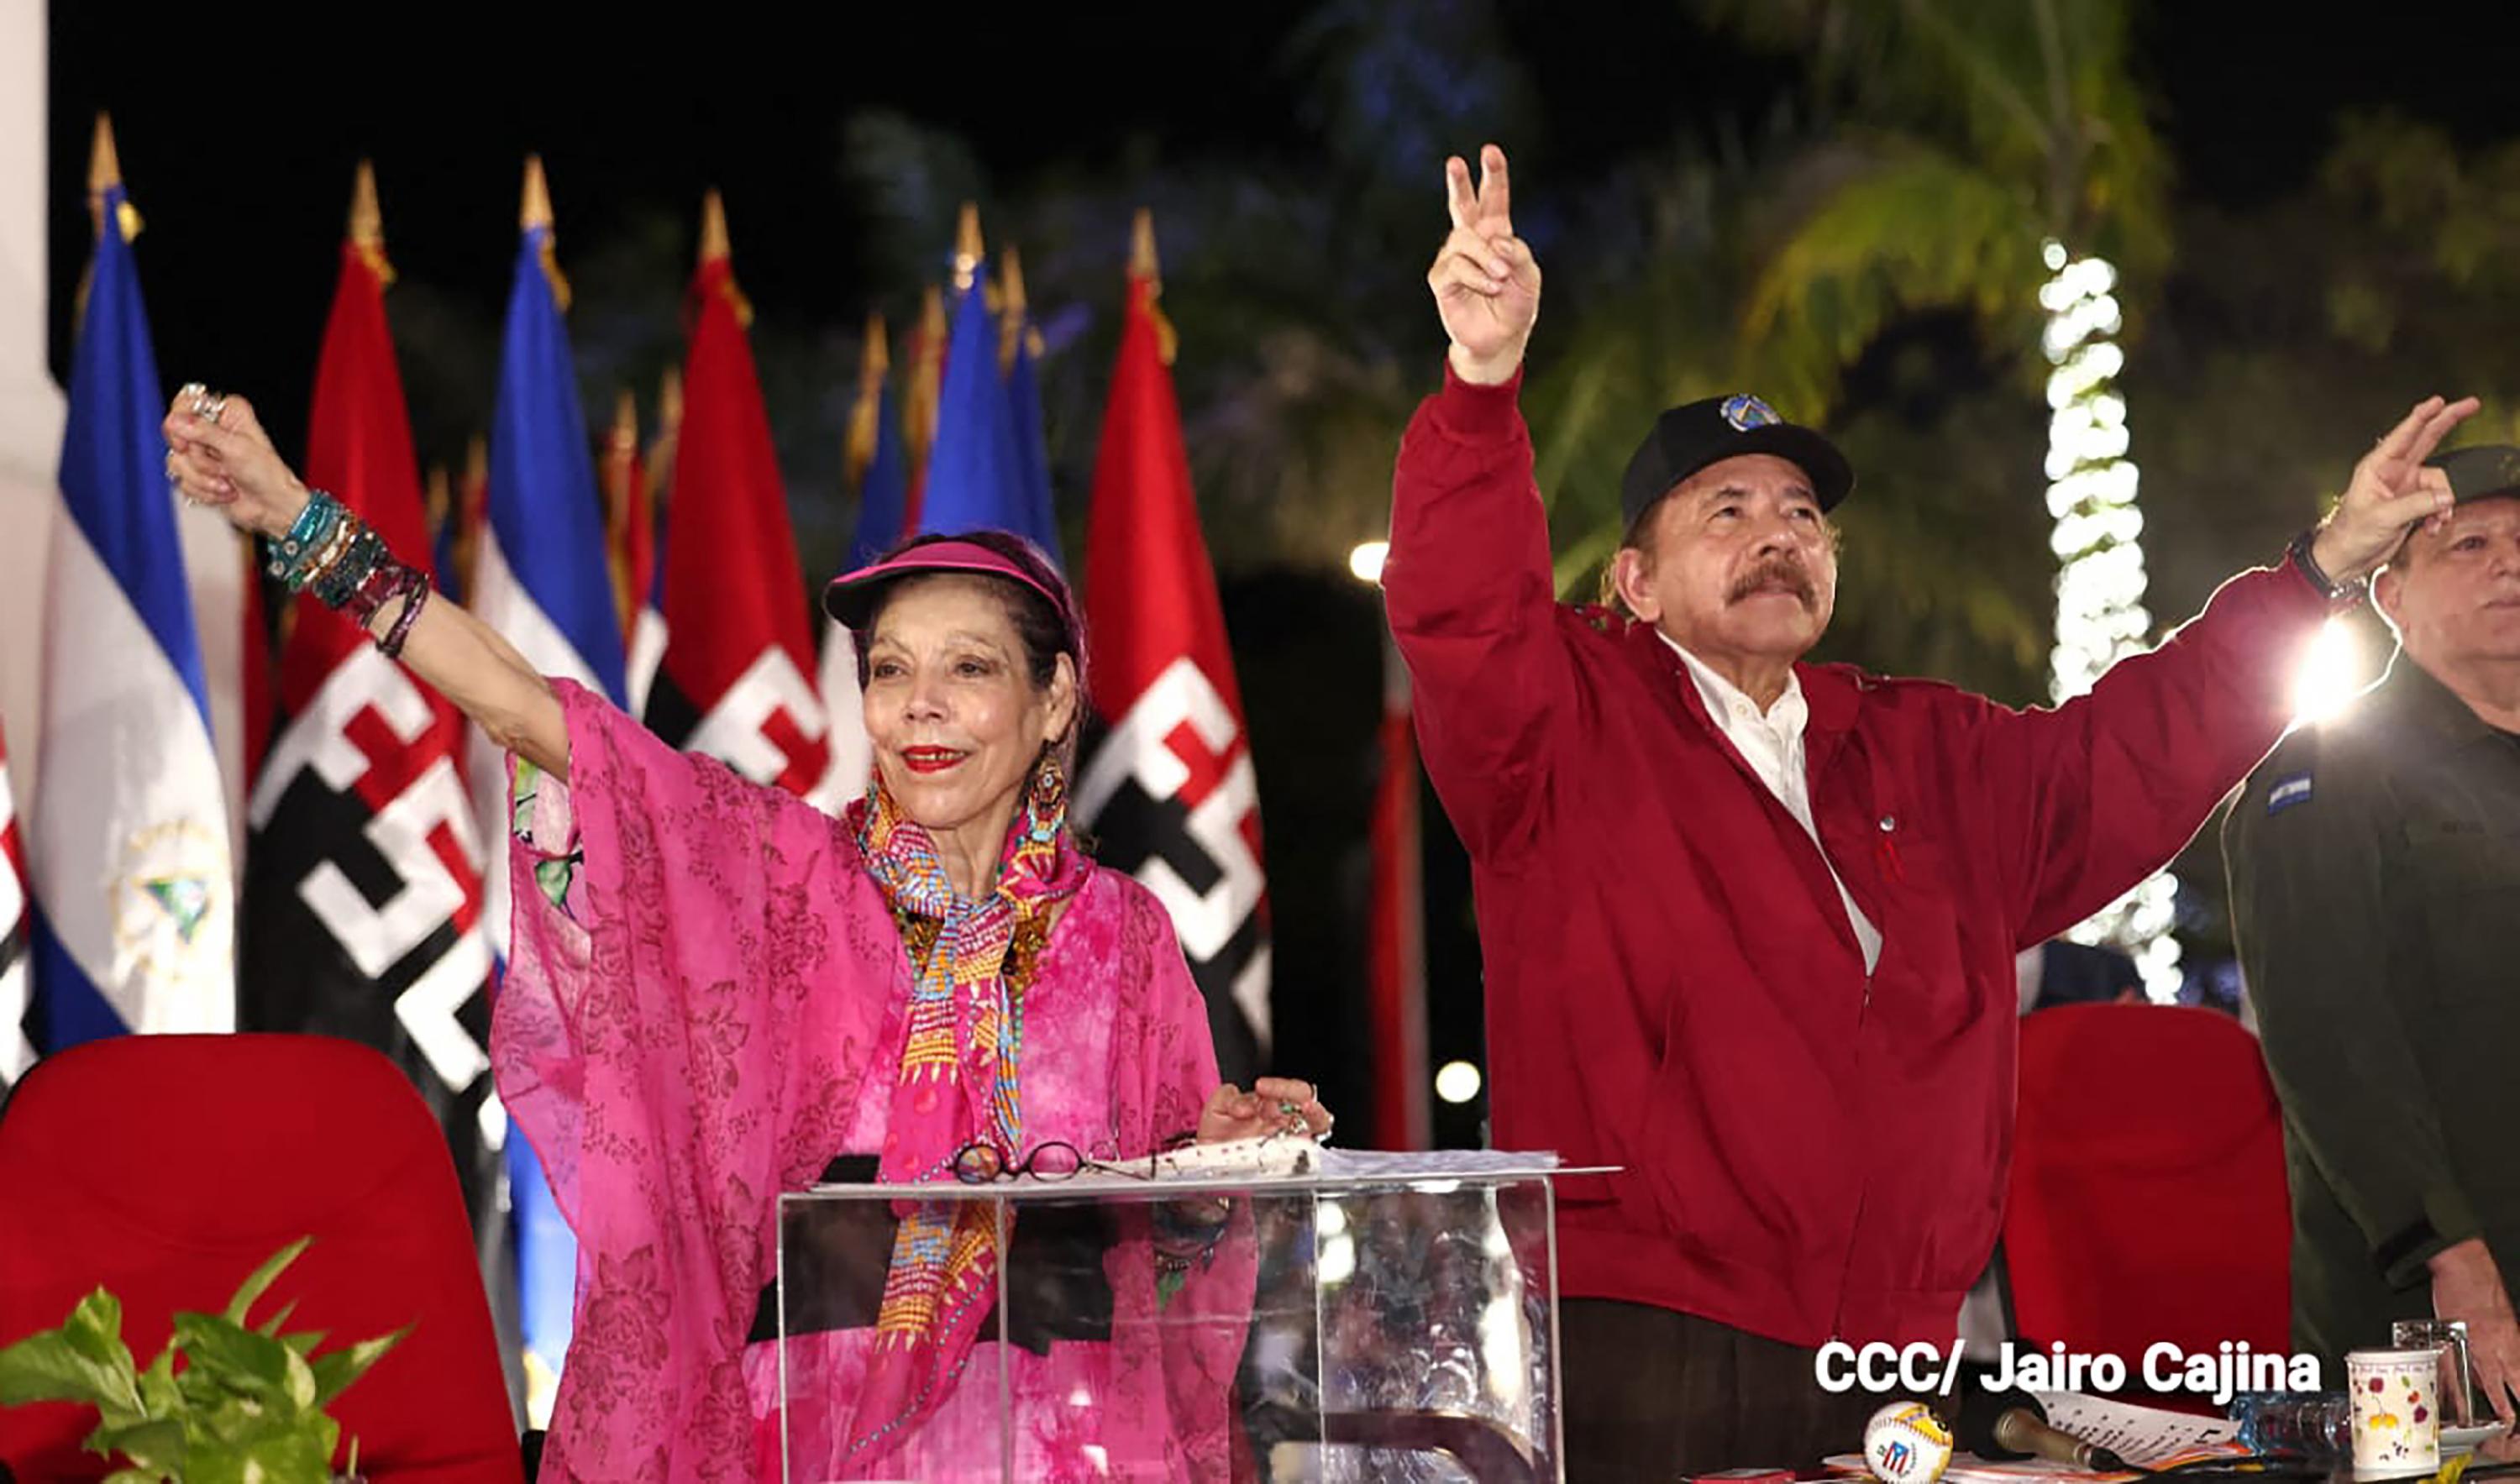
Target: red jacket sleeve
(1472, 602)
(2091, 798)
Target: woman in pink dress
(720, 993)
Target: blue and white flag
(975, 473)
(135, 894)
(541, 580)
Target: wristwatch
(2342, 595)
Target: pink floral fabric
(713, 1011)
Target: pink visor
(850, 597)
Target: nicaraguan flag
(541, 580)
(135, 924)
(975, 474)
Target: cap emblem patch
(1746, 412)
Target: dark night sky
(239, 139)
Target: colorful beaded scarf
(958, 1082)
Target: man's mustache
(1782, 575)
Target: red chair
(2148, 1201)
(166, 1168)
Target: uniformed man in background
(2374, 865)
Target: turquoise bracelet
(307, 536)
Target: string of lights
(2100, 616)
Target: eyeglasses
(981, 1162)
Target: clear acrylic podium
(1380, 1317)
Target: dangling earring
(1049, 783)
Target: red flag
(1170, 793)
(737, 647)
(364, 880)
(17, 980)
(1396, 935)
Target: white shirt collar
(1730, 704)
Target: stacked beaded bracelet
(345, 563)
(412, 585)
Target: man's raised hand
(1485, 280)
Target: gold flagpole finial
(874, 357)
(104, 167)
(1013, 322)
(968, 247)
(104, 172)
(662, 448)
(367, 229)
(714, 240)
(714, 248)
(367, 218)
(919, 391)
(1143, 264)
(874, 361)
(1010, 282)
(669, 401)
(537, 212)
(537, 208)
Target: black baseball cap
(2487, 468)
(1685, 439)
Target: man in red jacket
(1749, 923)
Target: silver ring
(212, 407)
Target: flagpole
(1396, 934)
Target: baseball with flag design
(128, 848)
(1169, 790)
(739, 647)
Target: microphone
(2006, 1422)
(2025, 1430)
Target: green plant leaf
(82, 1360)
(335, 1372)
(270, 1328)
(243, 1362)
(154, 1447)
(259, 1282)
(295, 1457)
(159, 1395)
(304, 1341)
(135, 1476)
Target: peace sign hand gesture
(1485, 280)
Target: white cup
(2397, 1410)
